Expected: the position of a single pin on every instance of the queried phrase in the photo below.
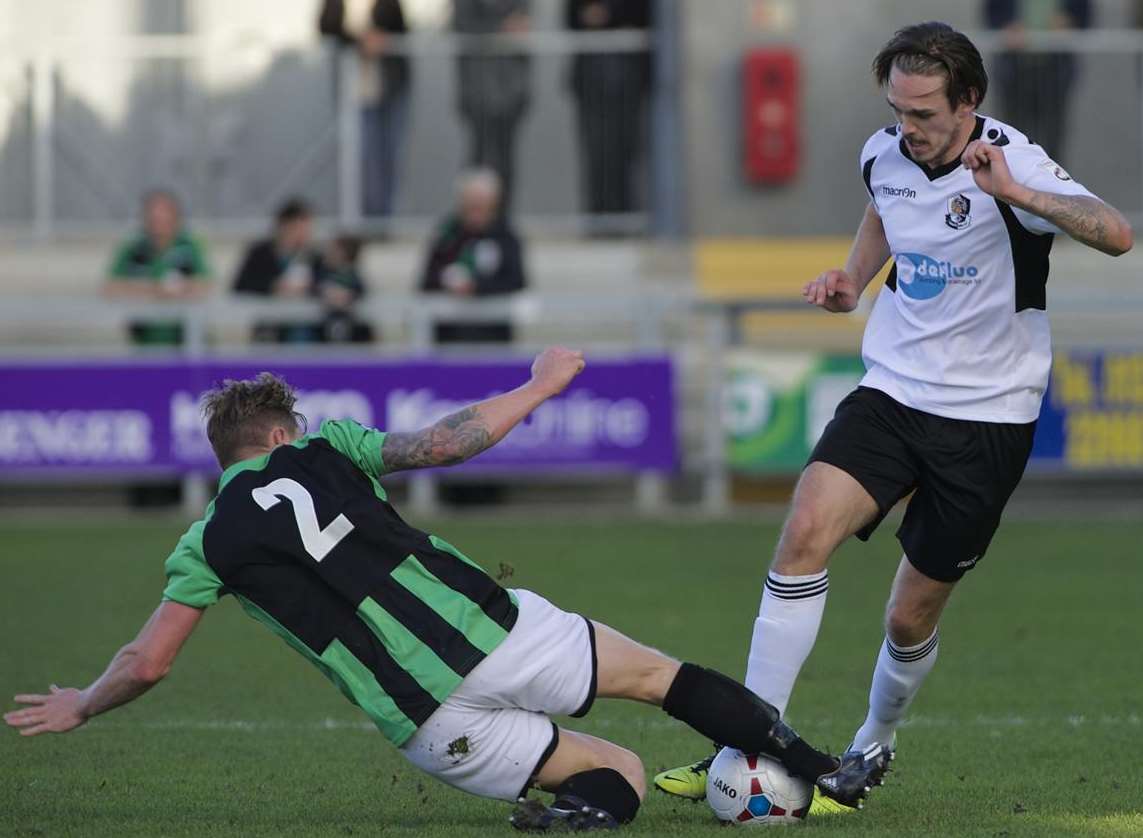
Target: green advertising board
(778, 403)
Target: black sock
(722, 709)
(603, 788)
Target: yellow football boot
(687, 781)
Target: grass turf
(1029, 725)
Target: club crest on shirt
(958, 215)
(1055, 168)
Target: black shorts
(963, 473)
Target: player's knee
(907, 626)
(805, 544)
(630, 766)
(617, 758)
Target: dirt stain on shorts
(457, 749)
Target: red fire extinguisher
(770, 115)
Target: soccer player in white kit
(957, 352)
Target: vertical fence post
(348, 140)
(668, 187)
(43, 118)
(423, 495)
(716, 479)
(196, 487)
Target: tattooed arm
(1086, 219)
(464, 434)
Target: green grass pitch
(1029, 725)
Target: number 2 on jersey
(317, 541)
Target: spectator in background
(475, 254)
(1035, 87)
(610, 91)
(339, 286)
(368, 26)
(162, 262)
(495, 88)
(284, 266)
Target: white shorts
(491, 736)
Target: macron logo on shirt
(898, 192)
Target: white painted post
(348, 141)
(43, 117)
(716, 479)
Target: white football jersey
(959, 329)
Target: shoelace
(703, 764)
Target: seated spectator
(475, 254)
(162, 262)
(339, 286)
(283, 266)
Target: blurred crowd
(494, 90)
(475, 251)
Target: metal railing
(212, 151)
(697, 333)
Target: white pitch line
(919, 721)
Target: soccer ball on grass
(755, 791)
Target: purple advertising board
(141, 416)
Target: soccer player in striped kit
(456, 671)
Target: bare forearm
(461, 435)
(129, 289)
(870, 250)
(124, 680)
(1087, 220)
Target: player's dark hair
(350, 246)
(294, 209)
(239, 414)
(932, 49)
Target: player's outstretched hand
(56, 712)
(989, 168)
(833, 291)
(555, 367)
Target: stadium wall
(842, 107)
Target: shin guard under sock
(722, 709)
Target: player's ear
(281, 436)
(968, 105)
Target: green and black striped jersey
(306, 540)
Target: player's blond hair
(240, 414)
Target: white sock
(784, 634)
(899, 674)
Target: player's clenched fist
(555, 367)
(989, 168)
(833, 291)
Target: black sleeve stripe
(867, 174)
(1029, 261)
(891, 280)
